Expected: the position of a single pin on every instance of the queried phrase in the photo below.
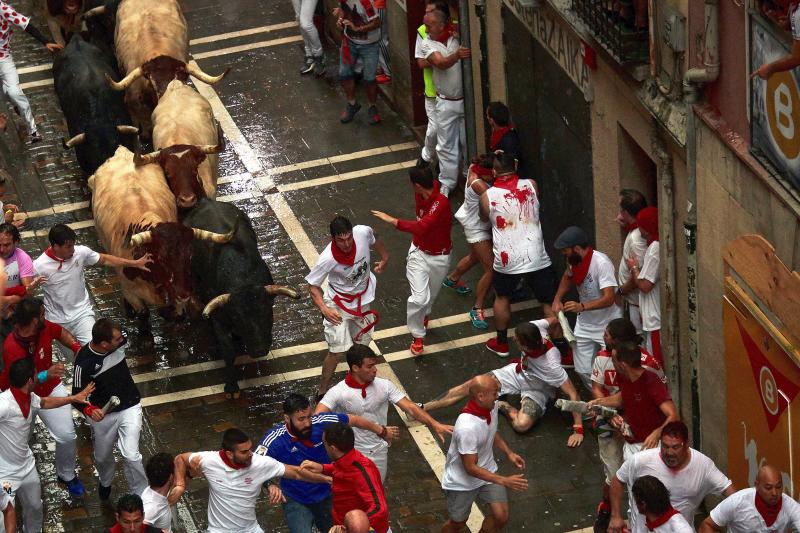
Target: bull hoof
(232, 391)
(233, 395)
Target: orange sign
(783, 113)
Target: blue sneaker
(477, 319)
(457, 286)
(74, 486)
(349, 113)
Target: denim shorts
(367, 54)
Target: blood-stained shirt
(9, 17)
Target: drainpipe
(466, 76)
(692, 82)
(666, 213)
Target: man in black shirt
(504, 135)
(130, 516)
(102, 361)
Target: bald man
(471, 471)
(761, 509)
(355, 521)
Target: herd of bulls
(205, 253)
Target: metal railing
(613, 24)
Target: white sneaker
(444, 190)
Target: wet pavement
(291, 125)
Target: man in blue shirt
(298, 439)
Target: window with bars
(620, 26)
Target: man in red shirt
(33, 337)
(130, 516)
(644, 398)
(429, 256)
(356, 480)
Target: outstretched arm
(114, 261)
(414, 411)
(451, 397)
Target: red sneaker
(499, 348)
(382, 79)
(417, 347)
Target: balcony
(620, 26)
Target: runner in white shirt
(535, 377)
(790, 60)
(761, 509)
(345, 303)
(7, 508)
(647, 280)
(470, 470)
(18, 408)
(364, 394)
(688, 475)
(235, 478)
(592, 273)
(653, 503)
(160, 470)
(630, 203)
(66, 299)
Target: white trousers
(450, 138)
(585, 351)
(425, 274)
(29, 492)
(429, 148)
(122, 428)
(379, 456)
(81, 328)
(62, 428)
(304, 14)
(8, 73)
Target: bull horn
(211, 306)
(146, 159)
(215, 148)
(133, 130)
(218, 238)
(76, 140)
(141, 238)
(99, 10)
(123, 84)
(194, 70)
(275, 290)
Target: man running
(131, 517)
(652, 502)
(345, 305)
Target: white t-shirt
(471, 435)
(65, 294)
(359, 17)
(592, 323)
(418, 51)
(687, 487)
(546, 367)
(738, 513)
(650, 302)
(157, 512)
(604, 373)
(232, 493)
(676, 524)
(635, 246)
(447, 81)
(343, 279)
(16, 457)
(342, 398)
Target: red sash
(580, 270)
(341, 299)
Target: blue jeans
(300, 517)
(367, 53)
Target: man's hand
(311, 466)
(463, 52)
(631, 262)
(442, 430)
(82, 396)
(764, 72)
(575, 440)
(517, 482)
(142, 262)
(53, 47)
(380, 266)
(97, 415)
(616, 525)
(38, 280)
(571, 307)
(652, 440)
(518, 461)
(386, 218)
(275, 494)
(557, 306)
(392, 433)
(56, 371)
(331, 315)
(617, 422)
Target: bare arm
(329, 313)
(607, 298)
(787, 62)
(709, 526)
(563, 287)
(49, 402)
(380, 247)
(114, 261)
(295, 472)
(413, 410)
(444, 62)
(615, 400)
(671, 412)
(483, 208)
(597, 390)
(514, 482)
(422, 63)
(68, 340)
(729, 491)
(615, 492)
(388, 433)
(10, 518)
(576, 438)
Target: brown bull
(152, 47)
(135, 213)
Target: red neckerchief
(647, 219)
(228, 461)
(306, 442)
(23, 400)
(117, 528)
(769, 514)
(26, 343)
(632, 226)
(580, 270)
(350, 381)
(661, 520)
(341, 257)
(498, 134)
(480, 171)
(533, 354)
(472, 408)
(507, 182)
(52, 255)
(425, 204)
(447, 32)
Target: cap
(572, 236)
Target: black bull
(234, 283)
(90, 106)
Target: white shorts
(610, 451)
(340, 337)
(513, 383)
(477, 234)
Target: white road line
(345, 176)
(242, 176)
(35, 84)
(35, 68)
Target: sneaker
(421, 163)
(459, 286)
(74, 486)
(417, 347)
(104, 492)
(349, 113)
(500, 349)
(381, 79)
(602, 518)
(319, 66)
(308, 65)
(374, 116)
(35, 137)
(477, 319)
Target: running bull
(236, 285)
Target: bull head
(272, 290)
(140, 159)
(81, 137)
(165, 69)
(145, 237)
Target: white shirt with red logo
(738, 514)
(232, 493)
(601, 275)
(9, 16)
(347, 279)
(604, 373)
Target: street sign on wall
(774, 104)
